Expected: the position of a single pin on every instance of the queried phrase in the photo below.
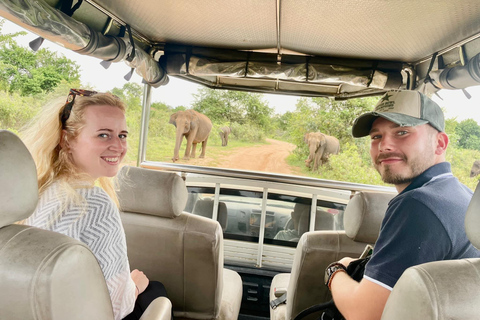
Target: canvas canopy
(339, 49)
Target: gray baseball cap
(405, 108)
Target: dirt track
(266, 158)
(269, 157)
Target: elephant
(475, 169)
(321, 146)
(224, 132)
(195, 127)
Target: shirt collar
(429, 174)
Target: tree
(225, 106)
(131, 93)
(160, 106)
(334, 118)
(30, 73)
(468, 132)
(9, 37)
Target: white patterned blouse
(95, 222)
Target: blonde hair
(43, 137)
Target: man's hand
(140, 279)
(346, 261)
(358, 301)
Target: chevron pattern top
(95, 222)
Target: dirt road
(269, 157)
(266, 158)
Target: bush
(462, 161)
(16, 111)
(349, 166)
(158, 125)
(247, 132)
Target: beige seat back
(316, 250)
(442, 289)
(323, 221)
(43, 275)
(182, 250)
(204, 208)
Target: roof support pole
(279, 46)
(142, 143)
(261, 236)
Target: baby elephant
(475, 169)
(224, 132)
(195, 127)
(321, 146)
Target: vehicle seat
(316, 250)
(45, 275)
(323, 221)
(204, 208)
(441, 289)
(182, 250)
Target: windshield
(253, 131)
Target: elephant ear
(173, 119)
(306, 137)
(194, 119)
(323, 140)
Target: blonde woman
(78, 145)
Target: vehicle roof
(329, 48)
(405, 31)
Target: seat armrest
(231, 295)
(281, 280)
(159, 309)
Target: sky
(180, 92)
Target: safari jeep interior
(209, 234)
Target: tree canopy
(31, 73)
(228, 106)
(334, 118)
(468, 133)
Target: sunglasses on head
(67, 109)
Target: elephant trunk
(178, 142)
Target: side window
(329, 215)
(238, 212)
(292, 216)
(287, 217)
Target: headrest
(152, 192)
(472, 219)
(18, 180)
(364, 214)
(301, 212)
(204, 208)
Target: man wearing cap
(425, 221)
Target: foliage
(31, 73)
(350, 166)
(228, 106)
(160, 106)
(246, 132)
(462, 161)
(158, 125)
(10, 37)
(17, 110)
(450, 130)
(28, 80)
(468, 132)
(131, 94)
(333, 118)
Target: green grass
(462, 161)
(348, 166)
(161, 149)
